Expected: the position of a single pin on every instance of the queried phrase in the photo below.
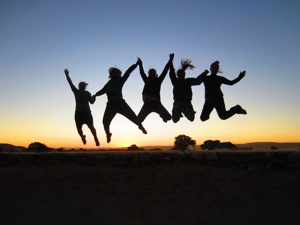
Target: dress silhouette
(151, 92)
(116, 103)
(83, 113)
(182, 90)
(214, 95)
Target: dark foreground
(185, 194)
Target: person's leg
(94, 132)
(221, 109)
(79, 124)
(176, 111)
(240, 110)
(162, 112)
(189, 111)
(125, 110)
(144, 112)
(207, 109)
(79, 130)
(90, 124)
(108, 116)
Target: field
(164, 194)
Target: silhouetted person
(116, 103)
(151, 92)
(83, 113)
(214, 96)
(182, 90)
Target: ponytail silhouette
(182, 90)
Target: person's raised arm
(142, 72)
(69, 79)
(101, 92)
(202, 76)
(232, 82)
(167, 67)
(198, 80)
(172, 72)
(129, 71)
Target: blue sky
(39, 39)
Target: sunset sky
(40, 38)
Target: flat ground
(184, 194)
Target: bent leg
(108, 116)
(189, 111)
(79, 120)
(94, 132)
(125, 110)
(176, 111)
(207, 109)
(158, 108)
(221, 109)
(90, 123)
(163, 113)
(144, 112)
(79, 130)
(240, 110)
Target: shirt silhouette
(182, 90)
(214, 95)
(116, 103)
(83, 113)
(151, 92)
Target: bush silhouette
(210, 145)
(38, 147)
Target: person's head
(82, 85)
(214, 67)
(181, 74)
(185, 64)
(114, 72)
(152, 73)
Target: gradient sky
(40, 38)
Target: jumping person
(83, 113)
(151, 92)
(214, 96)
(116, 103)
(182, 90)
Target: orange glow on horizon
(74, 143)
(240, 132)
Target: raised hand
(204, 73)
(66, 71)
(139, 61)
(171, 56)
(242, 74)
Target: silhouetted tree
(192, 143)
(182, 142)
(209, 144)
(38, 147)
